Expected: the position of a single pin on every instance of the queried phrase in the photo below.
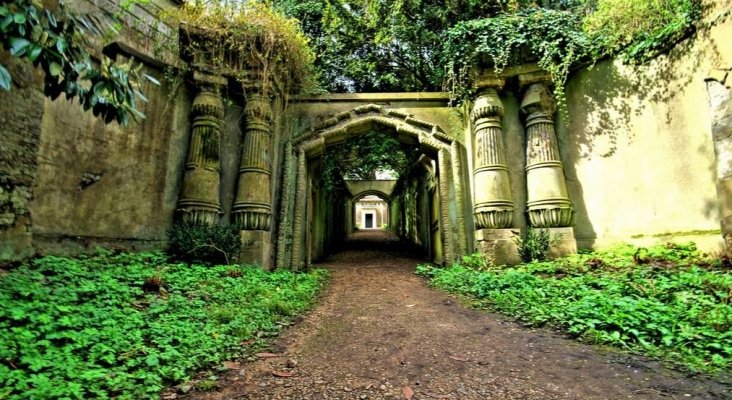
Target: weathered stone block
(256, 248)
(498, 245)
(563, 242)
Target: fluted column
(253, 205)
(548, 204)
(199, 200)
(493, 204)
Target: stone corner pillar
(256, 248)
(719, 90)
(493, 201)
(199, 201)
(253, 202)
(548, 205)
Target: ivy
(54, 40)
(554, 39)
(236, 37)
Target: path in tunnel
(379, 332)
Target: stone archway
(310, 144)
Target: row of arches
(425, 207)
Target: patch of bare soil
(380, 332)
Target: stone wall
(105, 184)
(20, 132)
(638, 150)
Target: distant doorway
(368, 220)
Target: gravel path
(379, 332)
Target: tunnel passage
(424, 204)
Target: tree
(53, 38)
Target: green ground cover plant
(126, 325)
(665, 301)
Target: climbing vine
(554, 39)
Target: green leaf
(6, 23)
(18, 46)
(19, 18)
(151, 79)
(62, 45)
(55, 69)
(5, 80)
(34, 52)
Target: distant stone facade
(371, 212)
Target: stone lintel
(203, 77)
(486, 81)
(529, 78)
(256, 248)
(498, 245)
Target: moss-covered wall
(20, 133)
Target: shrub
(207, 244)
(668, 300)
(534, 244)
(476, 261)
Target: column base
(256, 248)
(563, 242)
(498, 245)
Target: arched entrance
(426, 207)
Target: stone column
(199, 201)
(493, 208)
(253, 203)
(493, 204)
(548, 204)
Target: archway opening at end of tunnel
(375, 190)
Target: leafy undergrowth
(666, 301)
(126, 325)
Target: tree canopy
(364, 45)
(424, 45)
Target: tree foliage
(54, 39)
(363, 156)
(416, 45)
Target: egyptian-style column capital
(493, 201)
(488, 104)
(538, 99)
(548, 204)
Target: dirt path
(381, 333)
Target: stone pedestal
(256, 248)
(563, 242)
(498, 245)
